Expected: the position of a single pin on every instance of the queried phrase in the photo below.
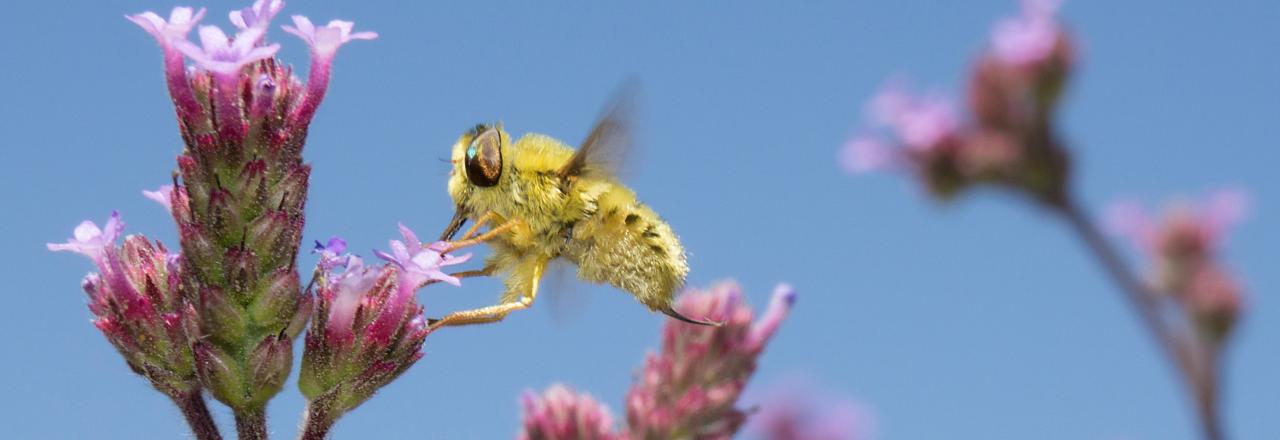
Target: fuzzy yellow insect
(547, 201)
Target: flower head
(138, 303)
(367, 327)
(227, 56)
(693, 383)
(326, 40)
(176, 28)
(560, 413)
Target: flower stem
(317, 422)
(1195, 371)
(251, 424)
(198, 416)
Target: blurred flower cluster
(1007, 138)
(688, 390)
(1183, 248)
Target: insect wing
(606, 146)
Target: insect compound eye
(484, 159)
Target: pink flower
(354, 283)
(91, 241)
(1183, 251)
(138, 303)
(180, 23)
(560, 413)
(226, 56)
(162, 195)
(259, 15)
(324, 43)
(420, 264)
(1185, 228)
(367, 327)
(919, 122)
(693, 383)
(1029, 38)
(326, 40)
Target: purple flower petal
(919, 122)
(420, 264)
(1030, 37)
(180, 23)
(91, 241)
(220, 54)
(326, 40)
(162, 195)
(259, 15)
(352, 285)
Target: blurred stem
(317, 422)
(1199, 377)
(251, 424)
(198, 416)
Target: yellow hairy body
(593, 221)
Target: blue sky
(981, 318)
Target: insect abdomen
(624, 243)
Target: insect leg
(494, 313)
(482, 237)
(471, 233)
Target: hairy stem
(317, 422)
(1195, 371)
(198, 416)
(251, 424)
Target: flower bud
(218, 374)
(222, 319)
(269, 365)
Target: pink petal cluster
(137, 302)
(257, 16)
(232, 60)
(1005, 139)
(1183, 247)
(688, 390)
(1029, 38)
(921, 125)
(560, 413)
(368, 327)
